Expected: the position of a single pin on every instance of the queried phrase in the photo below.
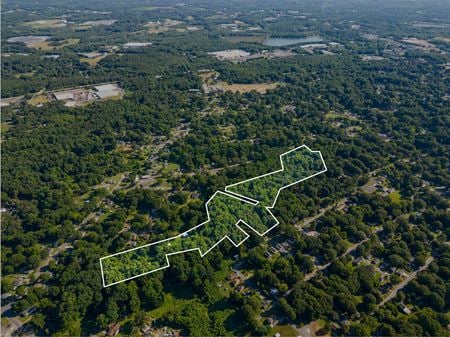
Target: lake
(287, 41)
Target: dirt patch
(423, 44)
(53, 23)
(28, 40)
(233, 55)
(370, 186)
(314, 329)
(98, 23)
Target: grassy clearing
(103, 217)
(395, 197)
(370, 186)
(234, 323)
(260, 88)
(171, 304)
(92, 61)
(5, 322)
(5, 127)
(208, 76)
(24, 75)
(111, 182)
(332, 115)
(38, 99)
(169, 169)
(227, 131)
(283, 330)
(50, 45)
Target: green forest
(298, 165)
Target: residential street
(402, 284)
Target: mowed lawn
(395, 197)
(171, 304)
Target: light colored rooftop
(106, 87)
(137, 44)
(107, 93)
(62, 96)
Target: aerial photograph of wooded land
(123, 121)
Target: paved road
(349, 250)
(51, 256)
(92, 215)
(16, 322)
(402, 284)
(8, 313)
(6, 307)
(324, 266)
(308, 221)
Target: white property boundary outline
(229, 194)
(280, 170)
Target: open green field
(170, 304)
(395, 197)
(284, 330)
(5, 127)
(52, 45)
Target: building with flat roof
(106, 87)
(63, 96)
(106, 93)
